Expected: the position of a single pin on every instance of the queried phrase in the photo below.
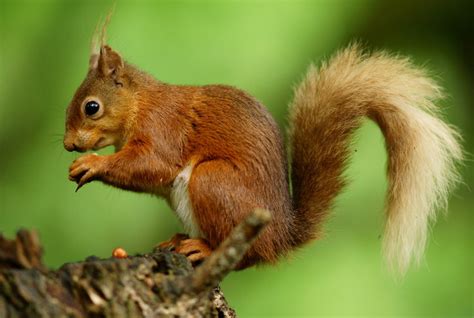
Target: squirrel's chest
(181, 203)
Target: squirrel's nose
(70, 146)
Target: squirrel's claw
(78, 187)
(85, 169)
(86, 178)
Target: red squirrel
(215, 153)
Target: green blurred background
(263, 47)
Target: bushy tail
(328, 107)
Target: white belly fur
(181, 203)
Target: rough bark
(159, 284)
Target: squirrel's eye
(91, 108)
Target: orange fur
(232, 147)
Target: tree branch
(159, 284)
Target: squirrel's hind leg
(195, 249)
(222, 196)
(173, 242)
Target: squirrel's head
(100, 110)
(97, 114)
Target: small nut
(119, 253)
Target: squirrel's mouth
(101, 143)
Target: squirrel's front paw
(86, 169)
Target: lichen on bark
(158, 284)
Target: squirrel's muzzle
(72, 147)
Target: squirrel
(215, 153)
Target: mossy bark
(149, 285)
(159, 284)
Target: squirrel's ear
(109, 61)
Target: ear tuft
(98, 40)
(93, 61)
